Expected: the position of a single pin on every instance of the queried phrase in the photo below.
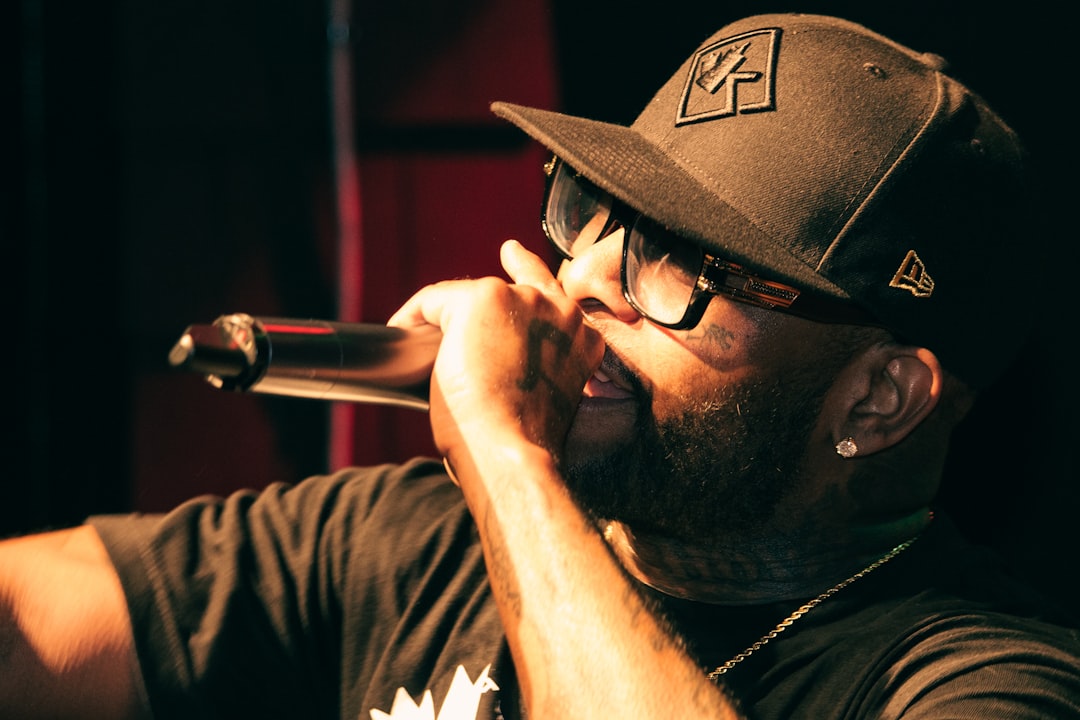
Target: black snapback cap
(825, 155)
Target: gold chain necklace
(790, 619)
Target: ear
(884, 394)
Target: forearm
(584, 642)
(65, 638)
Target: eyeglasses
(667, 279)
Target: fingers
(513, 358)
(429, 305)
(412, 313)
(526, 268)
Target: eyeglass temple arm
(726, 278)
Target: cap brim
(621, 161)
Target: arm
(584, 642)
(66, 648)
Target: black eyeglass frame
(716, 276)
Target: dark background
(167, 162)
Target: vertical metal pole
(350, 245)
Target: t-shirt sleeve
(236, 601)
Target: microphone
(324, 360)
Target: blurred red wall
(441, 183)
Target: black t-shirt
(364, 594)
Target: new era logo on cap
(912, 276)
(731, 76)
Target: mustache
(624, 375)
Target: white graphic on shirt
(461, 703)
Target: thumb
(527, 268)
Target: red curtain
(437, 183)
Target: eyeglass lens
(660, 269)
(576, 212)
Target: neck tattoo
(790, 619)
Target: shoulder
(350, 492)
(943, 631)
(931, 655)
(982, 662)
(322, 522)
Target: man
(693, 476)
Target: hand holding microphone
(366, 362)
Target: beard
(719, 468)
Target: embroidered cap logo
(912, 276)
(731, 76)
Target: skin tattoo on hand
(537, 371)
